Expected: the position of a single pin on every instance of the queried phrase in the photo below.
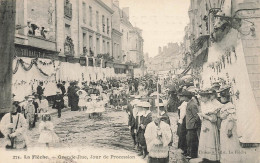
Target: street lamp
(214, 5)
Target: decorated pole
(158, 96)
(7, 33)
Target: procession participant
(62, 88)
(131, 122)
(163, 114)
(43, 106)
(99, 107)
(40, 89)
(95, 90)
(30, 112)
(229, 141)
(23, 104)
(70, 94)
(209, 136)
(36, 102)
(192, 125)
(90, 107)
(13, 126)
(182, 131)
(46, 129)
(158, 136)
(82, 102)
(58, 102)
(145, 119)
(138, 111)
(74, 97)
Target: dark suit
(131, 122)
(58, 104)
(40, 91)
(192, 126)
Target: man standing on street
(192, 124)
(158, 136)
(40, 89)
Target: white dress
(100, 107)
(82, 101)
(47, 134)
(90, 107)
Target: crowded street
(130, 81)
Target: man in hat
(62, 88)
(58, 102)
(13, 126)
(158, 137)
(131, 121)
(192, 124)
(40, 89)
(144, 118)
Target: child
(43, 106)
(58, 102)
(99, 107)
(82, 103)
(47, 134)
(90, 107)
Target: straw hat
(146, 104)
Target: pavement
(104, 139)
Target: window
(97, 20)
(84, 43)
(104, 46)
(84, 14)
(67, 30)
(67, 9)
(108, 47)
(107, 26)
(97, 46)
(90, 16)
(103, 22)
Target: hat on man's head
(224, 91)
(216, 84)
(207, 91)
(146, 104)
(185, 93)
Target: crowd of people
(206, 124)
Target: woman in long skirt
(209, 136)
(229, 142)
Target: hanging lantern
(214, 5)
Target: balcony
(40, 42)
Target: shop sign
(33, 53)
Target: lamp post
(213, 7)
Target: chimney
(116, 2)
(126, 11)
(160, 50)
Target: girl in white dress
(90, 107)
(82, 102)
(47, 134)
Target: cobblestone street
(110, 132)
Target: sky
(162, 21)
